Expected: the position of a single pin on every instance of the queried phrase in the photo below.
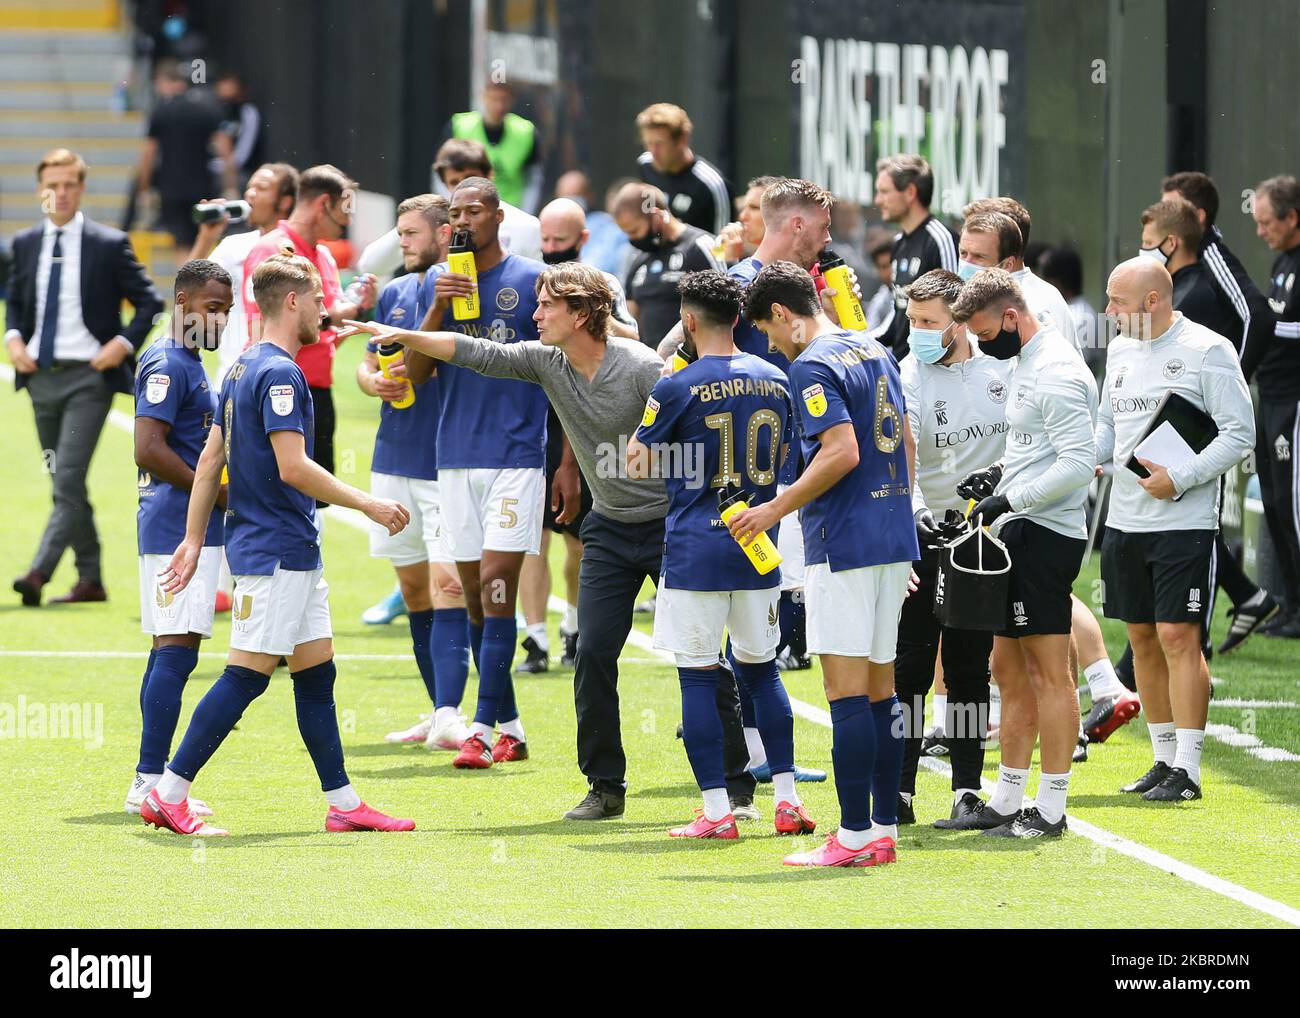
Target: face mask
(650, 243)
(569, 254)
(1155, 253)
(1003, 346)
(965, 269)
(927, 344)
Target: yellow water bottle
(683, 356)
(760, 551)
(847, 306)
(388, 353)
(460, 259)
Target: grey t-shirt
(600, 417)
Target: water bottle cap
(729, 494)
(828, 259)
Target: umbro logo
(941, 411)
(1018, 613)
(1194, 599)
(1187, 793)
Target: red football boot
(703, 827)
(832, 853)
(363, 818)
(793, 820)
(176, 817)
(509, 748)
(1109, 715)
(475, 754)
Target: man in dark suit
(71, 352)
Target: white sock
(956, 796)
(854, 841)
(879, 831)
(995, 706)
(716, 803)
(344, 798)
(537, 631)
(147, 781)
(484, 732)
(1052, 790)
(1188, 754)
(783, 788)
(446, 716)
(514, 729)
(569, 624)
(1009, 796)
(941, 712)
(906, 797)
(754, 743)
(1163, 741)
(172, 788)
(1102, 680)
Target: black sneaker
(934, 743)
(1029, 824)
(906, 811)
(1176, 787)
(1286, 627)
(537, 660)
(969, 806)
(1158, 772)
(597, 806)
(742, 807)
(570, 656)
(1247, 618)
(972, 814)
(1080, 754)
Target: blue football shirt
(865, 519)
(406, 443)
(493, 423)
(268, 523)
(171, 386)
(724, 420)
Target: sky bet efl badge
(282, 399)
(814, 398)
(156, 388)
(651, 412)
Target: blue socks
(216, 714)
(313, 695)
(794, 622)
(853, 755)
(144, 679)
(449, 655)
(701, 726)
(497, 653)
(770, 713)
(160, 704)
(421, 630)
(888, 716)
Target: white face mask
(1155, 253)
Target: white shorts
(789, 542)
(274, 614)
(187, 611)
(424, 539)
(690, 624)
(855, 612)
(492, 510)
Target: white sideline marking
(1150, 856)
(1286, 704)
(818, 716)
(142, 654)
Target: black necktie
(50, 319)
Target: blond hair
(672, 118)
(62, 157)
(279, 275)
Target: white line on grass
(1150, 856)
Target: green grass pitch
(494, 838)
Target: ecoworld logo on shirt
(74, 971)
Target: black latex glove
(990, 509)
(927, 531)
(980, 484)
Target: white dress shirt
(73, 341)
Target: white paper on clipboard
(1165, 447)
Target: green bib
(508, 156)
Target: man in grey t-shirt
(598, 386)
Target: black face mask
(650, 243)
(569, 254)
(1003, 346)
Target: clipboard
(1197, 428)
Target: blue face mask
(927, 344)
(965, 269)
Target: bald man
(564, 235)
(1157, 561)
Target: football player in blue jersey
(491, 460)
(860, 541)
(405, 468)
(264, 433)
(728, 412)
(174, 409)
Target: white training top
(1202, 367)
(231, 254)
(958, 415)
(1050, 454)
(1047, 305)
